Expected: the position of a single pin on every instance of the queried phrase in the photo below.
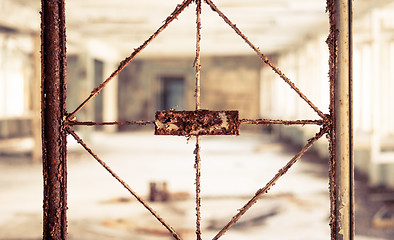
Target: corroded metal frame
(57, 123)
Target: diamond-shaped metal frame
(325, 120)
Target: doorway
(172, 93)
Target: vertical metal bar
(53, 89)
(343, 124)
(197, 63)
(197, 166)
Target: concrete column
(36, 100)
(375, 93)
(110, 98)
(391, 84)
(366, 87)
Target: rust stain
(195, 123)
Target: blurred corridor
(100, 34)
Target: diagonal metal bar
(283, 122)
(265, 58)
(272, 182)
(141, 122)
(179, 8)
(124, 184)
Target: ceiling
(270, 24)
(119, 26)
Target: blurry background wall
(292, 33)
(229, 83)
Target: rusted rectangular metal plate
(199, 122)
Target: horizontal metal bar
(142, 122)
(241, 121)
(283, 122)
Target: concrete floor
(233, 169)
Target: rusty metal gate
(57, 123)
